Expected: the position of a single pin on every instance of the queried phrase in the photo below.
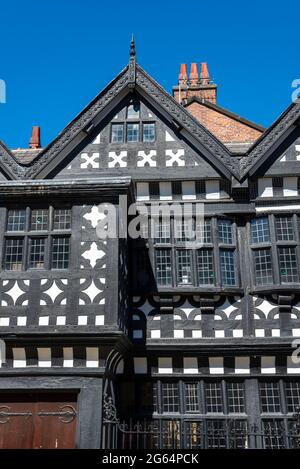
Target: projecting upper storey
(133, 127)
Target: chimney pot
(204, 75)
(193, 74)
(35, 141)
(182, 77)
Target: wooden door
(38, 420)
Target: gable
(288, 161)
(159, 151)
(83, 128)
(9, 167)
(224, 125)
(273, 143)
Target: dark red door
(38, 420)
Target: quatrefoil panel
(92, 255)
(92, 216)
(54, 292)
(14, 292)
(92, 291)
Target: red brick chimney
(35, 140)
(203, 88)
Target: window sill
(291, 287)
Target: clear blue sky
(57, 55)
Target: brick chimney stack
(35, 139)
(191, 86)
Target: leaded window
(203, 232)
(117, 133)
(170, 397)
(292, 393)
(133, 111)
(236, 397)
(260, 231)
(205, 266)
(270, 397)
(39, 220)
(184, 266)
(227, 267)
(288, 265)
(133, 132)
(263, 267)
(163, 267)
(13, 258)
(275, 244)
(60, 252)
(162, 231)
(16, 220)
(149, 132)
(62, 219)
(284, 228)
(37, 253)
(192, 398)
(30, 242)
(225, 231)
(213, 397)
(194, 250)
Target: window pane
(288, 265)
(203, 232)
(292, 392)
(60, 253)
(132, 132)
(225, 231)
(163, 267)
(215, 434)
(62, 219)
(16, 220)
(260, 232)
(273, 431)
(133, 111)
(184, 266)
(39, 220)
(227, 267)
(205, 267)
(213, 397)
(263, 267)
(284, 228)
(13, 254)
(170, 397)
(117, 133)
(162, 231)
(270, 397)
(236, 397)
(191, 398)
(149, 132)
(184, 230)
(37, 253)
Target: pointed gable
(87, 125)
(9, 166)
(138, 141)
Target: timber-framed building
(152, 342)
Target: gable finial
(132, 46)
(132, 65)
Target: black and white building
(163, 343)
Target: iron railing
(201, 434)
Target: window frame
(175, 245)
(274, 245)
(27, 235)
